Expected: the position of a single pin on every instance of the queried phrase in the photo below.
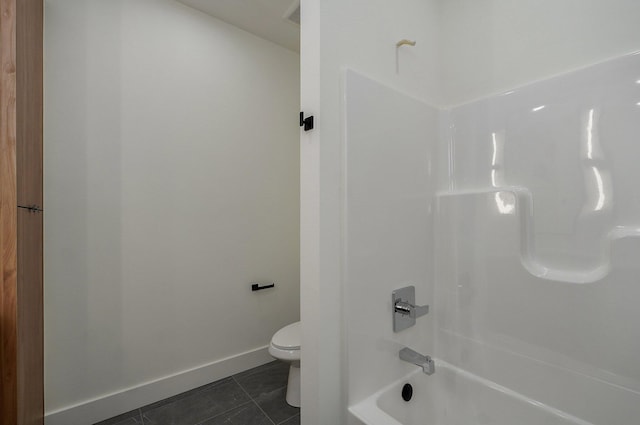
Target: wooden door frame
(21, 390)
(8, 214)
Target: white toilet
(285, 346)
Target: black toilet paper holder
(258, 287)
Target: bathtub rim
(369, 412)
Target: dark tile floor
(252, 397)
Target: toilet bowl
(285, 346)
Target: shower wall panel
(538, 235)
(388, 226)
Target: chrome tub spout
(425, 362)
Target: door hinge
(32, 208)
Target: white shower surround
(528, 242)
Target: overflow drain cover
(407, 392)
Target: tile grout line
(273, 365)
(288, 419)
(254, 402)
(263, 368)
(181, 396)
(184, 394)
(226, 411)
(178, 397)
(292, 416)
(198, 391)
(281, 422)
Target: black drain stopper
(407, 392)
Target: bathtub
(453, 396)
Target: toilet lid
(287, 338)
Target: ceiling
(264, 18)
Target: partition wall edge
(315, 409)
(336, 37)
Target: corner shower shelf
(523, 208)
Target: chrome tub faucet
(425, 362)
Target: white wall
(488, 46)
(172, 182)
(360, 35)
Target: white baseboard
(110, 405)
